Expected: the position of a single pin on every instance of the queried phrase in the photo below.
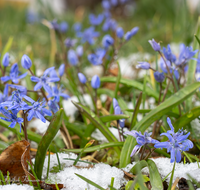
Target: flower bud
(61, 70)
(120, 32)
(95, 82)
(143, 65)
(82, 78)
(5, 60)
(26, 62)
(160, 77)
(155, 45)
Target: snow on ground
(16, 187)
(101, 173)
(165, 167)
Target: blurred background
(169, 21)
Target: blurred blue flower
(143, 65)
(160, 77)
(141, 139)
(72, 57)
(57, 93)
(97, 58)
(114, 2)
(26, 62)
(82, 78)
(95, 82)
(116, 107)
(63, 27)
(155, 45)
(107, 41)
(70, 42)
(61, 70)
(122, 123)
(128, 36)
(120, 32)
(96, 20)
(53, 105)
(79, 51)
(109, 24)
(44, 80)
(37, 109)
(5, 60)
(177, 143)
(105, 4)
(14, 72)
(11, 117)
(55, 25)
(77, 27)
(88, 35)
(168, 54)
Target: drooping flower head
(160, 77)
(155, 45)
(120, 32)
(97, 58)
(95, 82)
(177, 143)
(143, 65)
(26, 62)
(5, 60)
(107, 41)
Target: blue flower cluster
(177, 143)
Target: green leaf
(154, 115)
(198, 40)
(97, 147)
(46, 140)
(90, 182)
(108, 118)
(192, 66)
(132, 83)
(172, 176)
(141, 164)
(155, 179)
(98, 124)
(7, 47)
(118, 80)
(185, 119)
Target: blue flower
(155, 45)
(79, 51)
(116, 107)
(63, 27)
(109, 24)
(20, 88)
(26, 62)
(114, 2)
(97, 58)
(55, 25)
(120, 32)
(72, 57)
(160, 77)
(141, 139)
(14, 72)
(56, 93)
(88, 35)
(177, 143)
(44, 80)
(11, 117)
(70, 42)
(37, 109)
(107, 41)
(4, 96)
(134, 31)
(105, 4)
(77, 27)
(168, 54)
(95, 82)
(61, 70)
(131, 33)
(122, 123)
(54, 107)
(5, 60)
(143, 65)
(96, 20)
(82, 78)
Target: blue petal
(178, 156)
(35, 79)
(38, 86)
(5, 79)
(31, 113)
(40, 117)
(12, 125)
(172, 155)
(135, 150)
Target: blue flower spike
(95, 82)
(82, 78)
(26, 62)
(177, 143)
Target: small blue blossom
(134, 31)
(95, 82)
(122, 123)
(141, 139)
(26, 62)
(177, 143)
(114, 2)
(55, 25)
(96, 20)
(107, 41)
(5, 60)
(143, 65)
(77, 27)
(120, 32)
(14, 72)
(117, 109)
(44, 80)
(72, 57)
(160, 77)
(11, 117)
(97, 58)
(82, 78)
(109, 24)
(88, 35)
(106, 4)
(61, 70)
(57, 93)
(70, 42)
(54, 107)
(128, 36)
(168, 54)
(155, 45)
(63, 27)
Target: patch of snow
(15, 186)
(93, 70)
